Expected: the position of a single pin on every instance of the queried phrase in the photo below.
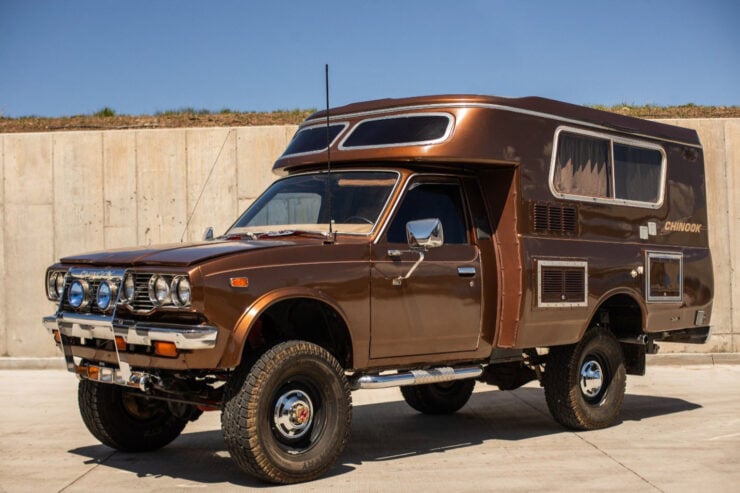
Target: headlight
(55, 285)
(78, 294)
(105, 295)
(180, 288)
(159, 290)
(129, 288)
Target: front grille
(93, 277)
(141, 301)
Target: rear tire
(124, 420)
(287, 418)
(585, 382)
(438, 398)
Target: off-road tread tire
(102, 411)
(240, 420)
(562, 389)
(434, 399)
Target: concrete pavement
(680, 431)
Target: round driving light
(129, 288)
(59, 284)
(159, 290)
(77, 295)
(104, 296)
(181, 291)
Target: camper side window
(595, 167)
(582, 166)
(637, 173)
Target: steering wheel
(358, 219)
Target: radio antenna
(328, 152)
(203, 189)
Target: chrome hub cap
(592, 378)
(293, 414)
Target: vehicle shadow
(380, 432)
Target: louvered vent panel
(554, 219)
(574, 285)
(552, 283)
(562, 284)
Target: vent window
(401, 130)
(562, 283)
(554, 219)
(313, 139)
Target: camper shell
(610, 248)
(426, 243)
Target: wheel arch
(623, 313)
(274, 318)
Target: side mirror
(421, 235)
(208, 234)
(425, 233)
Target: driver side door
(438, 309)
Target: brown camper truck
(452, 239)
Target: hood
(176, 254)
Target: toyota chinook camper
(452, 239)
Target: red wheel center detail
(300, 413)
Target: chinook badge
(683, 227)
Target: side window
(665, 277)
(637, 173)
(582, 166)
(431, 200)
(589, 166)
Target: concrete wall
(721, 141)
(69, 192)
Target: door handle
(466, 271)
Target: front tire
(287, 418)
(438, 398)
(585, 382)
(125, 421)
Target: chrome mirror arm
(398, 281)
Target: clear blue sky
(135, 56)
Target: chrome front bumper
(141, 333)
(87, 326)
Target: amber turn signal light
(120, 343)
(163, 348)
(239, 282)
(57, 337)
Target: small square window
(664, 281)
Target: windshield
(299, 203)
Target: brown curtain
(637, 173)
(582, 166)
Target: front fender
(240, 333)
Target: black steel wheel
(585, 382)
(286, 418)
(125, 419)
(438, 398)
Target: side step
(414, 377)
